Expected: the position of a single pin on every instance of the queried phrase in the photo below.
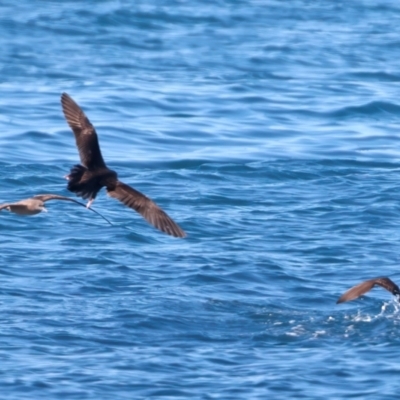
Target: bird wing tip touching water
(364, 287)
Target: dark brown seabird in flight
(87, 179)
(366, 286)
(35, 205)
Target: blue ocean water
(269, 131)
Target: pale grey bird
(35, 205)
(87, 179)
(364, 287)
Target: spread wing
(47, 197)
(366, 286)
(85, 134)
(146, 207)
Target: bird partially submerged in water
(87, 179)
(364, 287)
(35, 205)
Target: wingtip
(65, 97)
(179, 232)
(176, 232)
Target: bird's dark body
(86, 183)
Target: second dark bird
(87, 179)
(364, 287)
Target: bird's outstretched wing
(85, 134)
(146, 207)
(47, 197)
(364, 287)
